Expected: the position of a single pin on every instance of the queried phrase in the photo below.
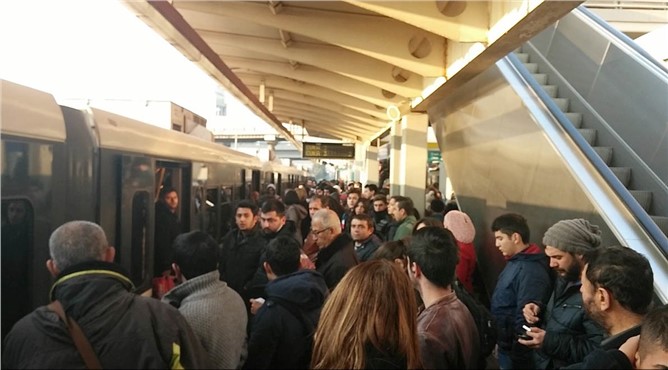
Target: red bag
(162, 285)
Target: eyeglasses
(318, 232)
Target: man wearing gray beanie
(568, 334)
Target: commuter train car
(61, 164)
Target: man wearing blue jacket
(526, 278)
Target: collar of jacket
(337, 244)
(92, 268)
(190, 286)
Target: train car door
(134, 219)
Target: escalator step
(523, 57)
(531, 67)
(562, 103)
(589, 135)
(575, 118)
(541, 78)
(661, 222)
(643, 197)
(623, 174)
(605, 152)
(551, 90)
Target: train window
(226, 210)
(139, 264)
(212, 213)
(17, 234)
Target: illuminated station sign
(329, 150)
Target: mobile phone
(524, 335)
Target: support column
(413, 158)
(370, 174)
(395, 157)
(358, 164)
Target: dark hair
(283, 255)
(354, 191)
(166, 190)
(406, 204)
(625, 273)
(437, 205)
(435, 250)
(654, 331)
(372, 187)
(391, 250)
(196, 253)
(291, 197)
(246, 204)
(364, 217)
(381, 197)
(273, 205)
(428, 222)
(365, 204)
(511, 223)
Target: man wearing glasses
(337, 254)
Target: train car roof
(126, 134)
(283, 169)
(28, 112)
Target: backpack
(483, 319)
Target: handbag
(80, 341)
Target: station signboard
(328, 150)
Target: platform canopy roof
(345, 69)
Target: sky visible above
(96, 49)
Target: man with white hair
(337, 253)
(125, 330)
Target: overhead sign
(328, 150)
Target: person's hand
(537, 336)
(256, 303)
(531, 312)
(630, 347)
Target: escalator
(573, 124)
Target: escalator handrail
(625, 195)
(620, 36)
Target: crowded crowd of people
(327, 276)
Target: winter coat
(167, 228)
(125, 330)
(448, 335)
(526, 278)
(466, 265)
(367, 247)
(240, 258)
(375, 359)
(336, 259)
(405, 227)
(281, 334)
(217, 315)
(570, 334)
(607, 357)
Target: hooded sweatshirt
(281, 334)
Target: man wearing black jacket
(337, 253)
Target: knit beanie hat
(575, 236)
(461, 226)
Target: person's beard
(572, 274)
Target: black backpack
(483, 319)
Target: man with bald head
(337, 253)
(125, 330)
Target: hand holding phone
(525, 335)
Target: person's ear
(604, 299)
(109, 254)
(267, 268)
(53, 269)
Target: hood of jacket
(80, 287)
(305, 288)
